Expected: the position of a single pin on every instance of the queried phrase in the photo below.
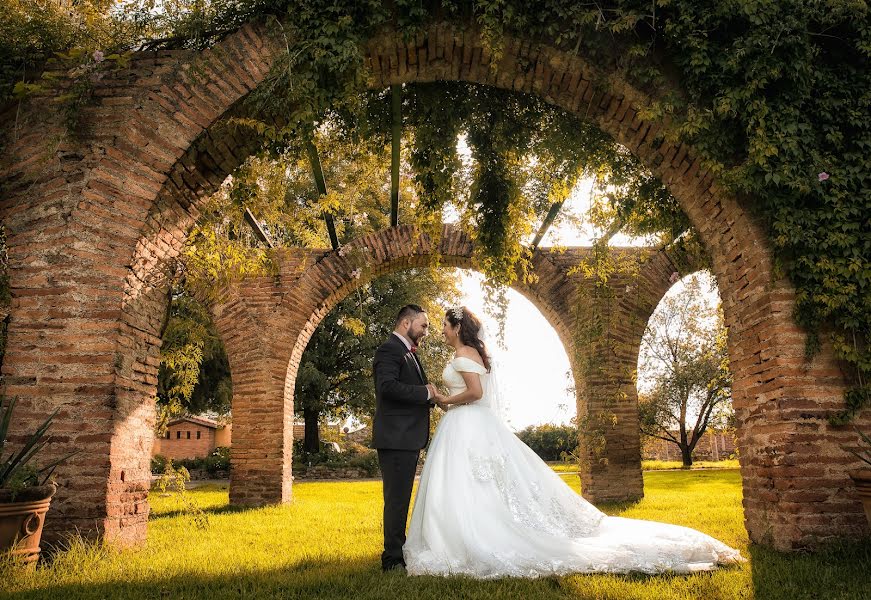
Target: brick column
(606, 358)
(63, 350)
(259, 334)
(601, 327)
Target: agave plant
(16, 470)
(864, 454)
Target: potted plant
(25, 490)
(862, 478)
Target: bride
(487, 506)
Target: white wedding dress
(487, 506)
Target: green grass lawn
(326, 544)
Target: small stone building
(191, 437)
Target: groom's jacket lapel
(420, 364)
(409, 357)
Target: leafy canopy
(773, 95)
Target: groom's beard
(415, 336)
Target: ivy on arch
(774, 96)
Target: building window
(198, 434)
(189, 434)
(168, 434)
(178, 434)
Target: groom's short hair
(409, 311)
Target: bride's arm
(473, 390)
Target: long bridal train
(487, 506)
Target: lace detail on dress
(549, 512)
(488, 468)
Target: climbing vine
(774, 95)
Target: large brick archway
(91, 222)
(288, 306)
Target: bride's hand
(439, 399)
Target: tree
(685, 362)
(335, 372)
(194, 373)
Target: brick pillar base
(610, 444)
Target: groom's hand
(439, 399)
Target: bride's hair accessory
(456, 312)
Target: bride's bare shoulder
(470, 353)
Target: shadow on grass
(317, 578)
(839, 571)
(616, 508)
(312, 578)
(212, 510)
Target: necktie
(414, 358)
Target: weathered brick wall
(95, 221)
(713, 446)
(87, 266)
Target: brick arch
(404, 248)
(93, 221)
(291, 304)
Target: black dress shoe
(394, 568)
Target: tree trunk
(312, 440)
(686, 450)
(686, 455)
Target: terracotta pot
(21, 521)
(862, 480)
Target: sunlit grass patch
(657, 465)
(660, 465)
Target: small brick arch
(289, 305)
(92, 222)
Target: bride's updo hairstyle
(470, 328)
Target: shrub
(158, 464)
(550, 442)
(355, 449)
(367, 462)
(355, 455)
(217, 461)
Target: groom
(403, 398)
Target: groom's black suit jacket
(401, 406)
